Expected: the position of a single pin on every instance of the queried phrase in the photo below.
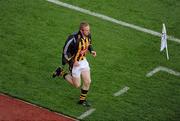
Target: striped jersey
(76, 48)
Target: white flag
(163, 38)
(164, 41)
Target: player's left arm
(90, 48)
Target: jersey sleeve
(68, 50)
(90, 48)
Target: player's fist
(93, 53)
(76, 64)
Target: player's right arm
(68, 51)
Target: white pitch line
(153, 72)
(107, 18)
(87, 113)
(122, 91)
(161, 68)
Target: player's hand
(76, 64)
(93, 53)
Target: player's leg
(73, 80)
(85, 73)
(85, 87)
(86, 79)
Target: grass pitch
(32, 34)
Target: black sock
(83, 95)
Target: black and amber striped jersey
(82, 49)
(76, 48)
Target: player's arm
(68, 49)
(90, 48)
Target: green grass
(32, 34)
(147, 13)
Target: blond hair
(83, 24)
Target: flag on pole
(163, 38)
(164, 41)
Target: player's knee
(77, 85)
(87, 82)
(76, 82)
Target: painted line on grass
(107, 18)
(122, 91)
(87, 113)
(161, 68)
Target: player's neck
(83, 36)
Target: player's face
(86, 31)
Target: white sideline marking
(161, 68)
(87, 113)
(107, 18)
(120, 92)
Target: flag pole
(167, 54)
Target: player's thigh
(76, 76)
(77, 81)
(86, 77)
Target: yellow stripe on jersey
(82, 48)
(79, 49)
(87, 43)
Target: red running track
(12, 109)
